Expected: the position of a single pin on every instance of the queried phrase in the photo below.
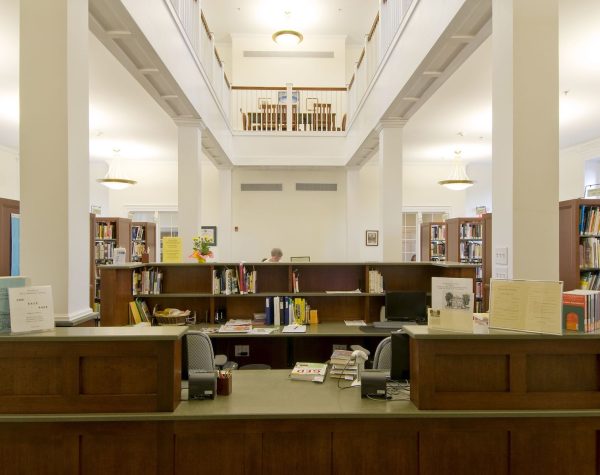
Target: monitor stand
(394, 323)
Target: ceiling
(124, 116)
(352, 18)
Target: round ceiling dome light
(287, 37)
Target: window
(411, 230)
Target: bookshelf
(433, 241)
(107, 235)
(143, 237)
(579, 242)
(465, 242)
(7, 207)
(325, 287)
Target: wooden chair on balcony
(322, 119)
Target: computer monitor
(400, 356)
(405, 306)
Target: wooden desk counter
(87, 369)
(271, 425)
(504, 370)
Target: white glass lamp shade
(287, 37)
(458, 180)
(115, 178)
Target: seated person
(276, 255)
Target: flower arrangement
(201, 248)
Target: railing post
(288, 106)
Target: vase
(201, 259)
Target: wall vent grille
(262, 187)
(288, 54)
(316, 186)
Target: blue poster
(15, 244)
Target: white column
(354, 233)
(54, 151)
(224, 229)
(525, 138)
(189, 189)
(390, 176)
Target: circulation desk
(282, 350)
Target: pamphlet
(5, 284)
(355, 323)
(452, 302)
(294, 329)
(31, 309)
(314, 372)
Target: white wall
(301, 223)
(9, 176)
(480, 194)
(352, 54)
(224, 50)
(307, 72)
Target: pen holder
(224, 383)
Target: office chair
(198, 354)
(383, 354)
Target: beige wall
(9, 175)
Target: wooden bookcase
(465, 242)
(189, 286)
(433, 241)
(143, 237)
(7, 207)
(575, 238)
(107, 234)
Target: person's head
(276, 254)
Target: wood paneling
(97, 376)
(296, 453)
(393, 453)
(471, 452)
(505, 373)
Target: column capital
(190, 122)
(395, 123)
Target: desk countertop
(329, 329)
(270, 394)
(99, 334)
(422, 332)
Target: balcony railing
(308, 109)
(201, 40)
(380, 37)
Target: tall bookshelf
(108, 234)
(328, 288)
(433, 241)
(579, 243)
(465, 242)
(143, 238)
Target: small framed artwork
(372, 238)
(310, 103)
(211, 233)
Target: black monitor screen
(407, 306)
(400, 356)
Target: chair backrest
(200, 353)
(383, 354)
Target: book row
(286, 311)
(104, 250)
(589, 252)
(438, 232)
(471, 250)
(471, 231)
(147, 281)
(589, 220)
(581, 310)
(438, 250)
(589, 281)
(238, 280)
(105, 231)
(137, 233)
(375, 282)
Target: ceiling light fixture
(459, 180)
(287, 37)
(115, 178)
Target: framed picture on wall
(209, 232)
(372, 238)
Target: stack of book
(581, 310)
(309, 372)
(343, 365)
(375, 282)
(147, 281)
(238, 280)
(286, 311)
